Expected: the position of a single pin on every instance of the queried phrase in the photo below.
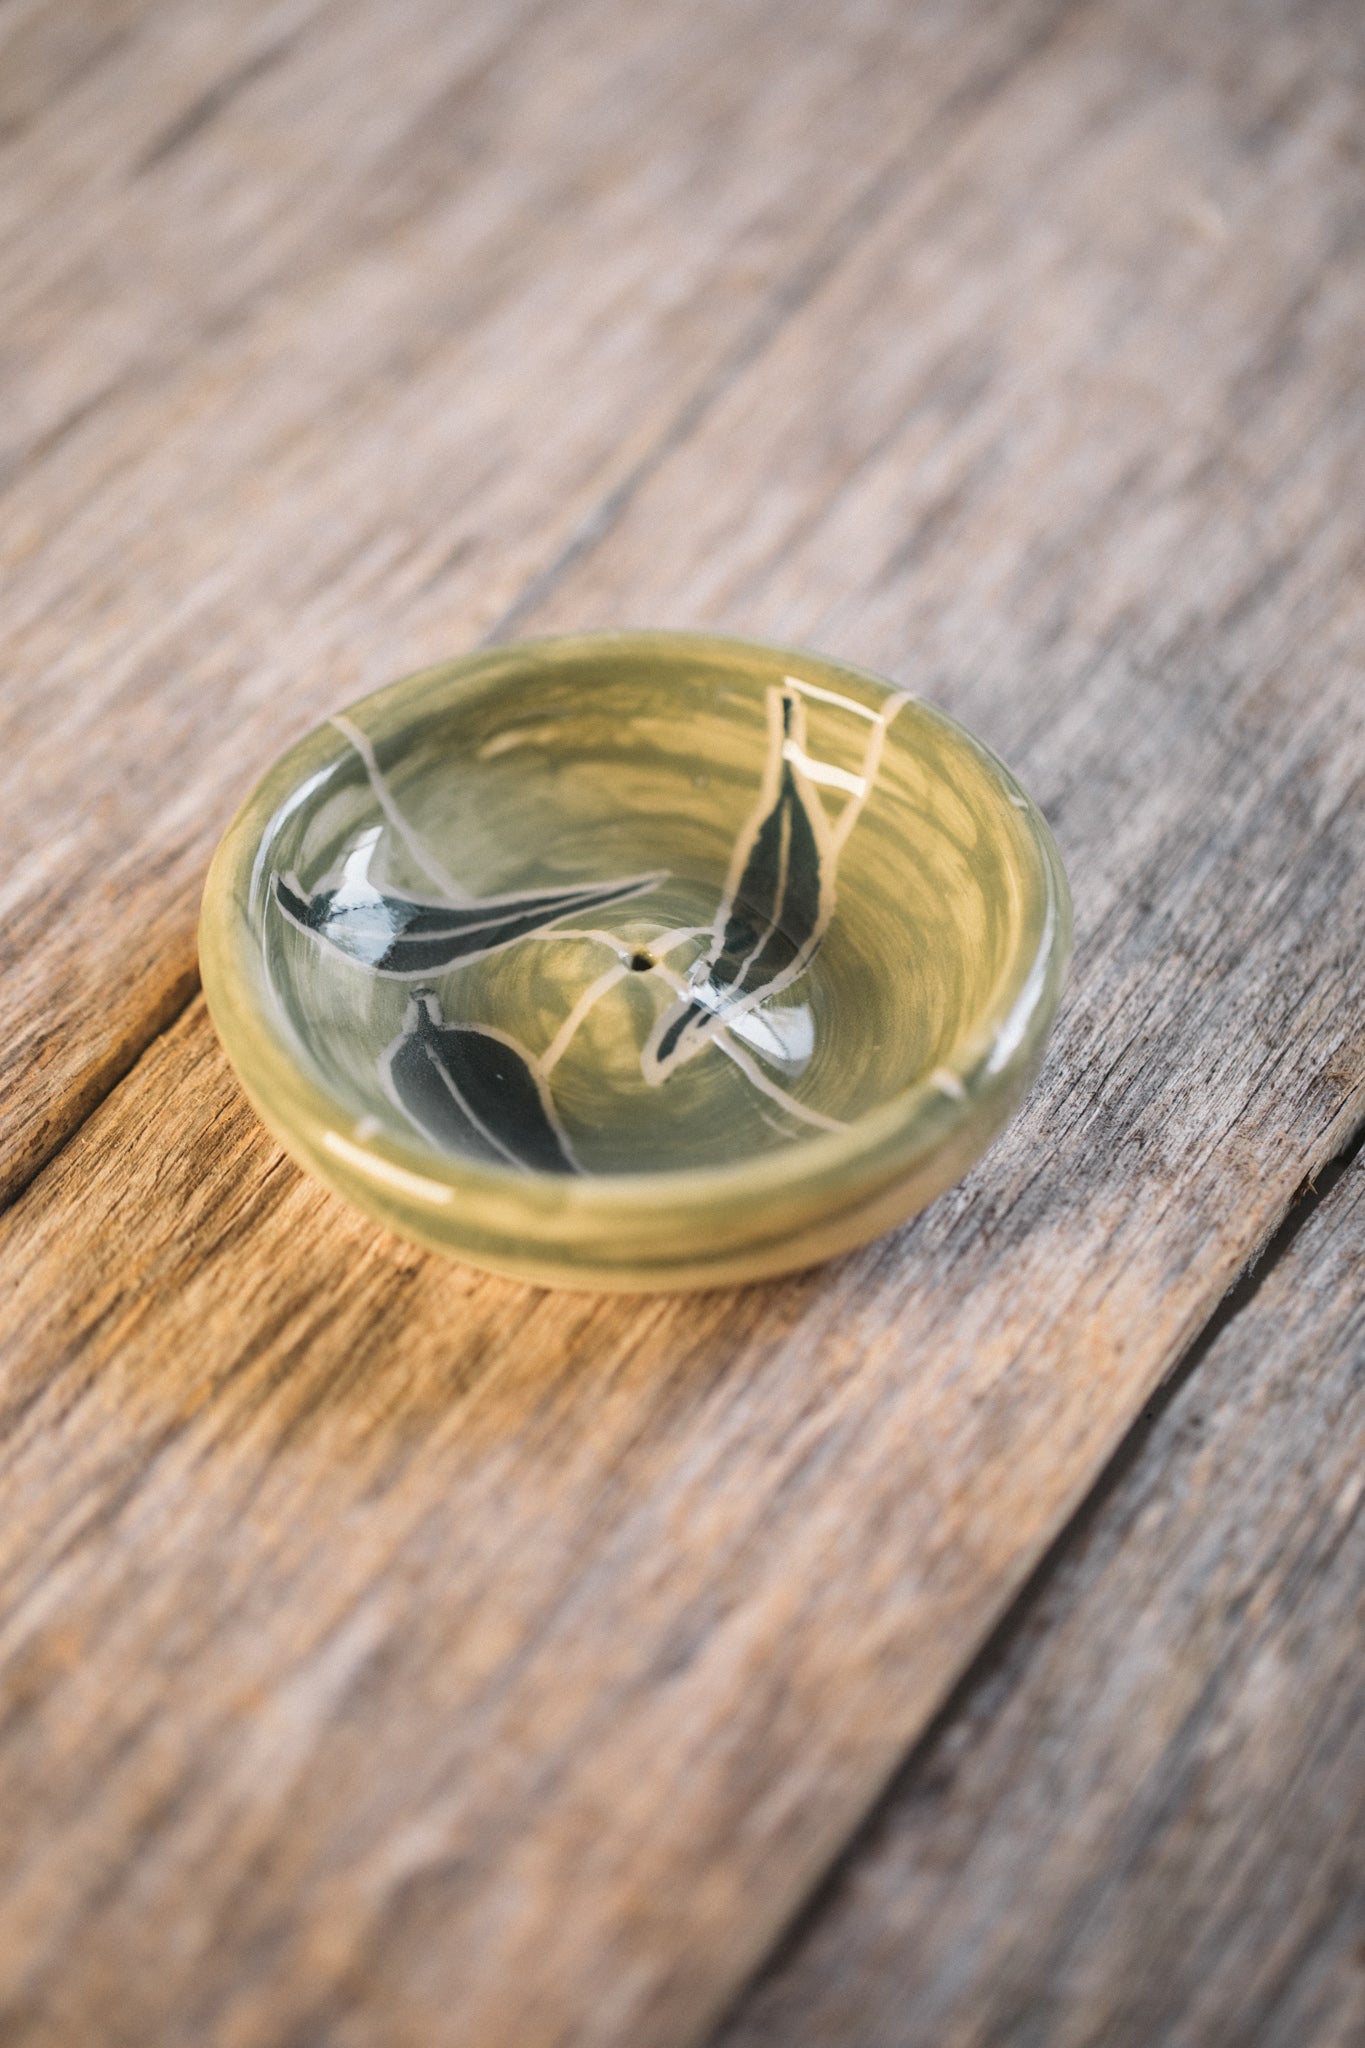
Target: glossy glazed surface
(638, 959)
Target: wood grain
(332, 333)
(388, 1652)
(1145, 1821)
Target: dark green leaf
(401, 935)
(473, 1091)
(777, 904)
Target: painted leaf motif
(474, 1091)
(400, 935)
(779, 898)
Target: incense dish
(636, 960)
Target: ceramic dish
(636, 960)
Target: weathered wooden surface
(1145, 1821)
(389, 1652)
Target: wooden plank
(1145, 1821)
(331, 330)
(421, 1652)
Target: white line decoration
(779, 893)
(475, 1089)
(656, 948)
(753, 1072)
(422, 855)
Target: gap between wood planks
(1308, 1198)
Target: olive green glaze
(636, 960)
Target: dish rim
(885, 1144)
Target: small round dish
(636, 960)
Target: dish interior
(625, 911)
